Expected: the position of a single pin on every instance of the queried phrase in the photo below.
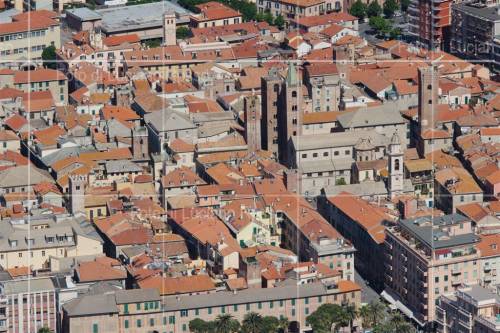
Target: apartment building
(470, 309)
(26, 37)
(144, 310)
(292, 9)
(474, 27)
(454, 187)
(42, 79)
(32, 243)
(427, 257)
(215, 14)
(363, 224)
(30, 304)
(429, 22)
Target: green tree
(252, 323)
(380, 24)
(340, 181)
(270, 324)
(279, 21)
(226, 324)
(390, 6)
(326, 317)
(284, 323)
(49, 57)
(376, 312)
(350, 314)
(395, 33)
(358, 9)
(373, 9)
(198, 326)
(182, 33)
(268, 17)
(404, 5)
(399, 324)
(45, 329)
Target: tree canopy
(373, 9)
(49, 57)
(390, 7)
(358, 9)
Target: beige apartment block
(427, 257)
(144, 310)
(25, 39)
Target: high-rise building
(428, 85)
(429, 22)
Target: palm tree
(377, 312)
(283, 325)
(350, 313)
(400, 325)
(364, 313)
(226, 324)
(252, 323)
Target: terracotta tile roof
(45, 187)
(38, 101)
(332, 18)
(179, 285)
(36, 14)
(10, 93)
(181, 146)
(122, 230)
(332, 30)
(122, 113)
(369, 217)
(436, 134)
(442, 160)
(48, 136)
(494, 178)
(213, 10)
(490, 131)
(7, 135)
(474, 211)
(122, 39)
(100, 270)
(16, 272)
(109, 155)
(463, 184)
(346, 286)
(27, 25)
(489, 245)
(181, 177)
(38, 75)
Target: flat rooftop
(489, 13)
(427, 229)
(149, 15)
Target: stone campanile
(428, 86)
(77, 185)
(252, 122)
(169, 29)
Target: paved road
(367, 293)
(365, 30)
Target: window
(139, 323)
(125, 308)
(306, 300)
(325, 154)
(281, 303)
(294, 93)
(209, 310)
(248, 307)
(184, 313)
(95, 328)
(293, 302)
(171, 319)
(151, 322)
(320, 299)
(184, 327)
(125, 323)
(396, 164)
(235, 307)
(197, 312)
(222, 309)
(271, 304)
(138, 305)
(259, 305)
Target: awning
(395, 302)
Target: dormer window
(13, 243)
(49, 239)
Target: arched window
(276, 88)
(294, 93)
(396, 164)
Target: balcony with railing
(492, 323)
